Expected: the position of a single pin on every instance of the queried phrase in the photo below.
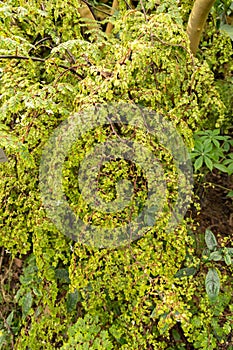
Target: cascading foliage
(78, 297)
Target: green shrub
(125, 298)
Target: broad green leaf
(222, 138)
(207, 142)
(199, 146)
(216, 256)
(208, 147)
(230, 251)
(3, 157)
(228, 29)
(230, 194)
(194, 154)
(10, 318)
(215, 156)
(226, 146)
(186, 271)
(62, 275)
(215, 131)
(176, 335)
(72, 300)
(26, 303)
(198, 163)
(149, 219)
(221, 167)
(227, 258)
(210, 240)
(216, 143)
(227, 161)
(208, 163)
(212, 283)
(230, 168)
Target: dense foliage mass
(146, 294)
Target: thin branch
(38, 43)
(71, 56)
(8, 328)
(38, 59)
(128, 5)
(22, 58)
(143, 9)
(89, 7)
(96, 8)
(175, 45)
(1, 257)
(109, 27)
(42, 40)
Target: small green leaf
(212, 283)
(176, 335)
(230, 194)
(210, 240)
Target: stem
(196, 22)
(38, 59)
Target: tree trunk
(196, 22)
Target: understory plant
(54, 64)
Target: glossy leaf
(227, 259)
(212, 283)
(216, 256)
(210, 240)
